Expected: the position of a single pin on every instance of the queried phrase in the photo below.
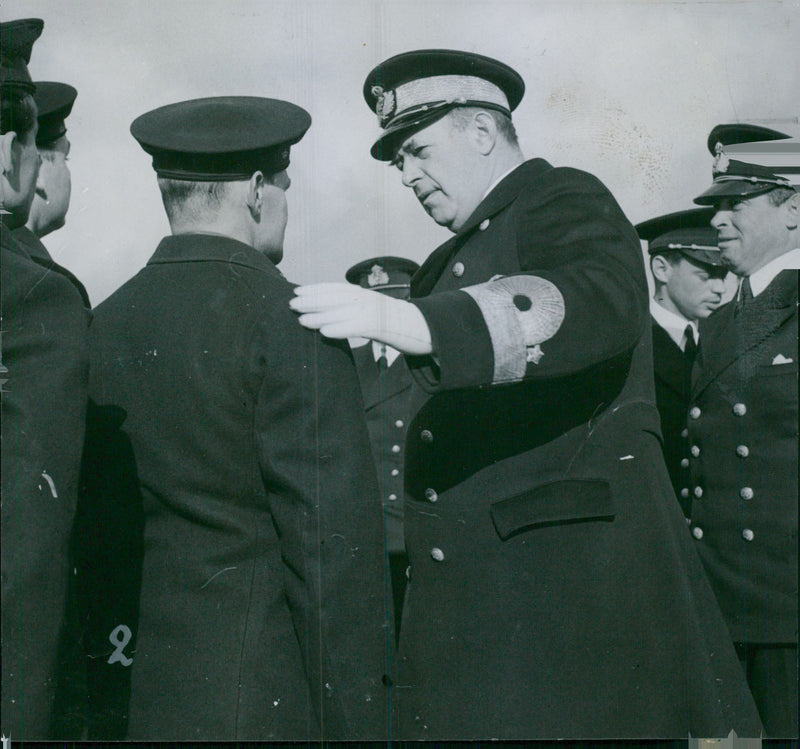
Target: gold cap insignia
(385, 105)
(721, 160)
(378, 276)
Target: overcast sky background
(626, 90)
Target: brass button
(431, 495)
(395, 449)
(685, 493)
(697, 532)
(458, 269)
(746, 492)
(685, 463)
(740, 409)
(695, 451)
(743, 451)
(437, 554)
(408, 572)
(426, 435)
(392, 497)
(748, 535)
(695, 412)
(395, 471)
(698, 492)
(685, 434)
(484, 225)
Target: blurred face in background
(53, 189)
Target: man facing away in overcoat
(553, 589)
(262, 613)
(743, 421)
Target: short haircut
(17, 112)
(780, 195)
(461, 116)
(190, 200)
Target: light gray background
(626, 90)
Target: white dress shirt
(763, 276)
(674, 323)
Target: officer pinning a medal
(548, 555)
(743, 420)
(689, 281)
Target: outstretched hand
(343, 310)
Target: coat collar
(724, 337)
(505, 192)
(198, 248)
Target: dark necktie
(745, 295)
(689, 352)
(382, 363)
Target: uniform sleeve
(579, 299)
(44, 355)
(318, 471)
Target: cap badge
(377, 276)
(385, 106)
(721, 161)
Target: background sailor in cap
(43, 376)
(388, 388)
(743, 420)
(689, 282)
(53, 185)
(548, 554)
(262, 595)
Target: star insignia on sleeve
(535, 354)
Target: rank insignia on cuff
(521, 313)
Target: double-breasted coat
(743, 434)
(45, 373)
(387, 406)
(673, 388)
(262, 611)
(554, 590)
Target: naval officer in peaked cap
(689, 283)
(743, 420)
(553, 589)
(50, 203)
(262, 611)
(388, 390)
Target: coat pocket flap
(549, 504)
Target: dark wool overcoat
(672, 399)
(743, 426)
(45, 374)
(554, 590)
(262, 613)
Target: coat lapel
(668, 361)
(374, 389)
(725, 337)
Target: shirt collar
(499, 180)
(673, 323)
(763, 276)
(381, 349)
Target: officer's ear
(485, 132)
(792, 211)
(661, 268)
(255, 194)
